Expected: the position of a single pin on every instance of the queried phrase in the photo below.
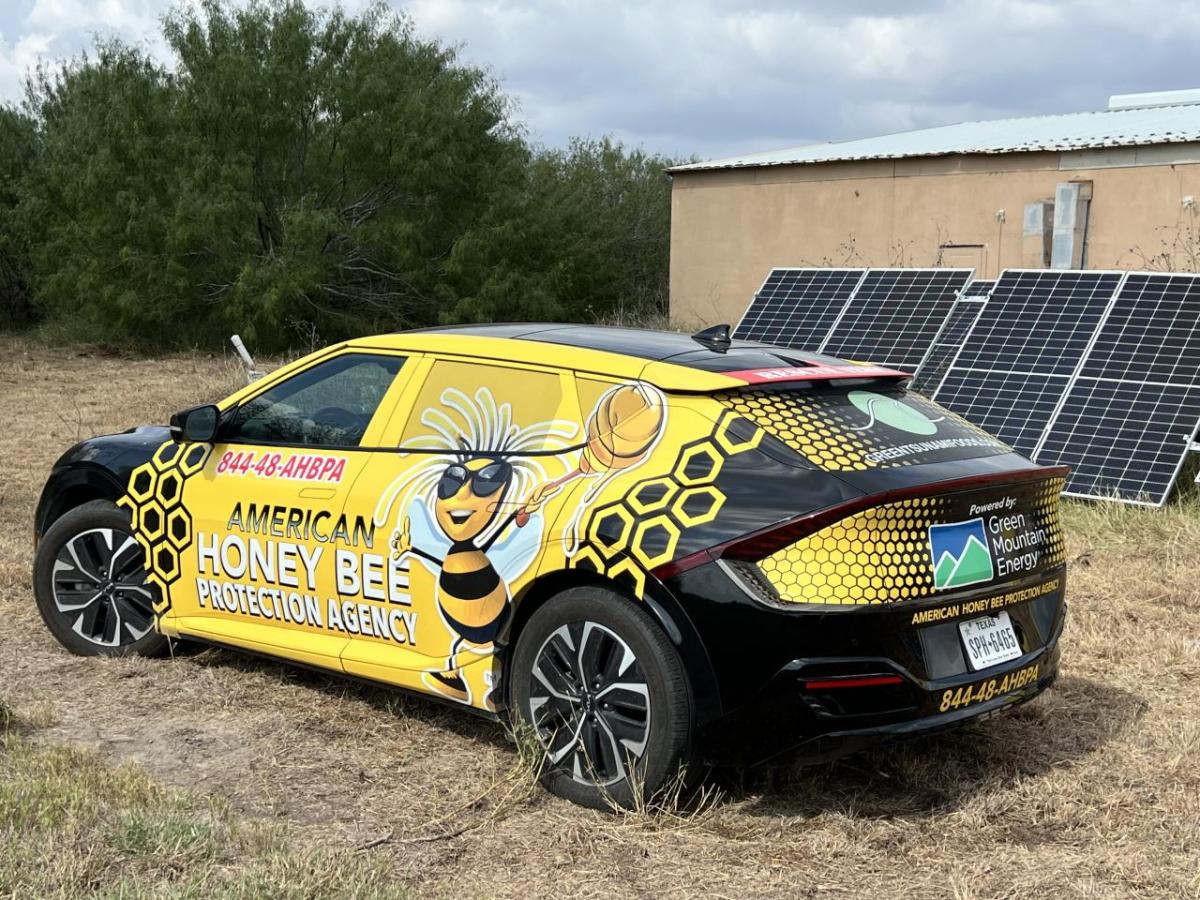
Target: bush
(297, 172)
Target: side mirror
(197, 425)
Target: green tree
(585, 234)
(333, 164)
(18, 151)
(294, 172)
(96, 209)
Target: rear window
(855, 427)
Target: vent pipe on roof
(1154, 98)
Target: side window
(328, 405)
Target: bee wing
(425, 534)
(512, 554)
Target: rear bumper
(787, 718)
(782, 674)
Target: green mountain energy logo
(960, 554)
(891, 412)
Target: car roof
(671, 360)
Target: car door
(266, 511)
(486, 447)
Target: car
(648, 551)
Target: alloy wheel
(99, 584)
(590, 703)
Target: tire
(602, 752)
(90, 584)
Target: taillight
(852, 681)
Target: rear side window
(473, 407)
(865, 426)
(328, 405)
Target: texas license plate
(989, 640)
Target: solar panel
(895, 314)
(1009, 405)
(798, 307)
(929, 374)
(1129, 418)
(1126, 441)
(1019, 359)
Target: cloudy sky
(718, 77)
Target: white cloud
(16, 60)
(713, 77)
(134, 19)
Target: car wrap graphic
(401, 560)
(912, 549)
(644, 528)
(477, 501)
(161, 522)
(472, 512)
(845, 430)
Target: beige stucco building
(1114, 189)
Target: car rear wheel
(605, 694)
(91, 587)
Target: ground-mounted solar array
(797, 308)
(1098, 370)
(932, 369)
(979, 287)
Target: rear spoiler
(813, 373)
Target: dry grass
(1091, 791)
(72, 824)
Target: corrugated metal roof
(1073, 131)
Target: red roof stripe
(813, 373)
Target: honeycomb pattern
(823, 437)
(881, 555)
(1049, 510)
(878, 555)
(830, 434)
(627, 538)
(161, 524)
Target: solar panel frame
(1118, 339)
(895, 314)
(1037, 355)
(795, 313)
(973, 307)
(973, 289)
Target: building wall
(730, 227)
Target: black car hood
(120, 453)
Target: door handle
(318, 493)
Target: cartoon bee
(472, 513)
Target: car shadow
(934, 774)
(912, 778)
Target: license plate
(989, 640)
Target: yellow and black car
(655, 549)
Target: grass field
(214, 774)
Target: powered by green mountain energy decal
(960, 554)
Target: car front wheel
(91, 587)
(605, 694)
